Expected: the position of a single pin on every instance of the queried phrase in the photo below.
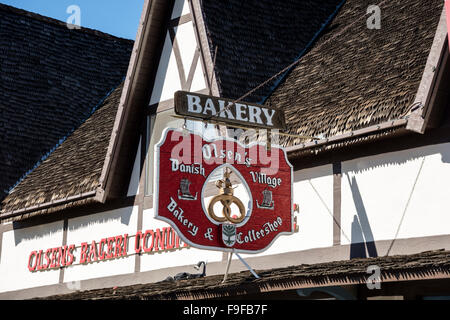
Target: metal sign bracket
(243, 262)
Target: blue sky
(116, 17)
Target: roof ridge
(60, 23)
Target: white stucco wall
(167, 80)
(376, 189)
(375, 192)
(188, 46)
(16, 248)
(133, 186)
(95, 227)
(313, 191)
(184, 257)
(180, 8)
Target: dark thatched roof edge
(420, 266)
(348, 137)
(49, 206)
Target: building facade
(366, 110)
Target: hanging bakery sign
(220, 195)
(212, 108)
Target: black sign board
(206, 107)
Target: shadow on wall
(362, 240)
(37, 232)
(313, 173)
(402, 157)
(123, 215)
(50, 229)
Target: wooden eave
(427, 94)
(429, 265)
(143, 65)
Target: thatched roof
(52, 78)
(260, 37)
(349, 77)
(73, 169)
(355, 77)
(54, 82)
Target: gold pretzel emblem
(226, 198)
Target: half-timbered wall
(399, 195)
(396, 195)
(179, 67)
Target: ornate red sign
(195, 192)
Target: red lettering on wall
(125, 245)
(137, 242)
(53, 259)
(110, 252)
(32, 267)
(107, 248)
(83, 255)
(92, 255)
(159, 240)
(62, 256)
(70, 256)
(39, 259)
(146, 239)
(47, 258)
(101, 253)
(118, 251)
(170, 238)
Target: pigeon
(187, 275)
